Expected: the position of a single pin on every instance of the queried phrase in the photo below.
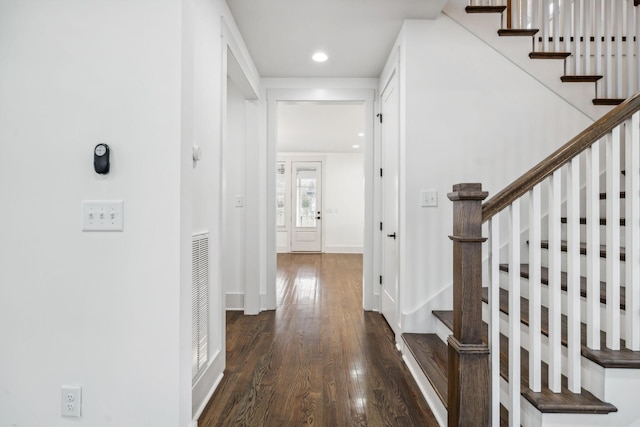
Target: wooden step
(431, 355)
(545, 401)
(583, 248)
(608, 101)
(606, 358)
(580, 79)
(485, 9)
(603, 221)
(510, 32)
(549, 55)
(544, 278)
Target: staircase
(593, 42)
(545, 329)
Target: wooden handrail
(561, 156)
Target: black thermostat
(101, 158)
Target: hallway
(318, 359)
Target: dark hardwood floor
(318, 360)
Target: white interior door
(390, 109)
(306, 180)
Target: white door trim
(367, 96)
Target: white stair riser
(583, 265)
(544, 297)
(603, 233)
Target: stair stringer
(516, 50)
(421, 320)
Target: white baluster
(588, 31)
(599, 28)
(573, 275)
(535, 284)
(577, 33)
(632, 225)
(613, 239)
(494, 316)
(637, 49)
(535, 23)
(630, 83)
(566, 31)
(593, 246)
(618, 65)
(544, 18)
(555, 289)
(514, 315)
(608, 51)
(556, 25)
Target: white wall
(470, 116)
(108, 311)
(102, 310)
(342, 201)
(233, 186)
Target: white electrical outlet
(71, 401)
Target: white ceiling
(320, 127)
(281, 35)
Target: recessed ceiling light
(361, 134)
(356, 146)
(320, 57)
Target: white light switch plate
(102, 215)
(428, 198)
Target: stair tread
(545, 401)
(485, 9)
(544, 276)
(608, 101)
(580, 79)
(431, 354)
(510, 32)
(549, 55)
(623, 358)
(583, 248)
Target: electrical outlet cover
(71, 401)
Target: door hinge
(381, 280)
(380, 225)
(379, 115)
(381, 172)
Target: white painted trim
(200, 410)
(343, 249)
(207, 383)
(234, 301)
(328, 94)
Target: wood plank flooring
(318, 360)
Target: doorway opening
(320, 192)
(320, 177)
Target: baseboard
(342, 249)
(234, 301)
(206, 385)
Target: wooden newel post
(469, 380)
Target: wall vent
(200, 302)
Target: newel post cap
(467, 191)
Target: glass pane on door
(306, 209)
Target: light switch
(428, 198)
(102, 215)
(239, 201)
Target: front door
(306, 181)
(390, 109)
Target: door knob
(392, 235)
